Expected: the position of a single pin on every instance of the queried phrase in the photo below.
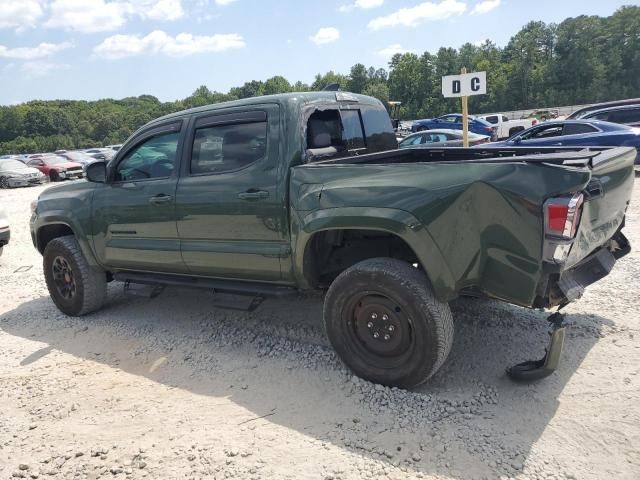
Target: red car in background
(56, 167)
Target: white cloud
(363, 4)
(160, 9)
(485, 6)
(21, 14)
(158, 42)
(104, 15)
(414, 16)
(88, 15)
(223, 3)
(41, 69)
(30, 53)
(325, 35)
(391, 50)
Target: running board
(222, 286)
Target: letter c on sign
(475, 84)
(456, 87)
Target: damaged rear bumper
(560, 288)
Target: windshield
(11, 165)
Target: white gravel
(175, 388)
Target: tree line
(584, 59)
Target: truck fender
(394, 221)
(57, 217)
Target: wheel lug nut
(391, 328)
(386, 336)
(370, 325)
(376, 334)
(385, 317)
(374, 315)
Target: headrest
(319, 135)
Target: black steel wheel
(76, 287)
(384, 321)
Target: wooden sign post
(462, 86)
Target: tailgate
(607, 197)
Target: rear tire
(384, 321)
(75, 287)
(4, 182)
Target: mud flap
(533, 370)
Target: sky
(90, 49)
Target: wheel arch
(401, 228)
(56, 228)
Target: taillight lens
(562, 216)
(534, 122)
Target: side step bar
(222, 286)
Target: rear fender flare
(397, 222)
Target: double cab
(277, 194)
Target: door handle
(160, 199)
(253, 195)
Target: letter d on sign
(456, 86)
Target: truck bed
(579, 156)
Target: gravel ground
(176, 388)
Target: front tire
(53, 176)
(75, 287)
(386, 324)
(4, 182)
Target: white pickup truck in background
(507, 127)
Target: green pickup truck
(272, 195)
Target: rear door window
(492, 119)
(629, 115)
(352, 133)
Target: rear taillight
(562, 216)
(534, 122)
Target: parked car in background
(626, 115)
(101, 153)
(578, 114)
(5, 233)
(453, 121)
(507, 128)
(441, 138)
(56, 167)
(569, 133)
(80, 157)
(14, 173)
(115, 148)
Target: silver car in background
(14, 173)
(441, 138)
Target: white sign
(465, 84)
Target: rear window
(492, 119)
(577, 129)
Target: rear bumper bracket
(533, 370)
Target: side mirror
(97, 172)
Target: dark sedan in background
(453, 121)
(569, 133)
